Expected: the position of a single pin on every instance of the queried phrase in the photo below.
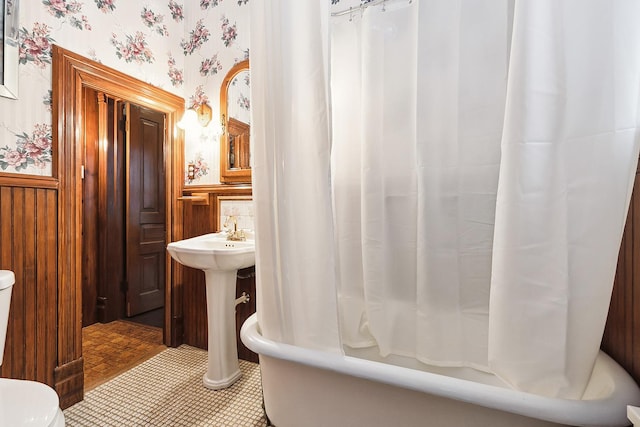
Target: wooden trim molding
(230, 175)
(27, 181)
(70, 74)
(69, 382)
(222, 189)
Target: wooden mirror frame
(230, 175)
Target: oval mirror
(235, 109)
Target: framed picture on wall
(9, 48)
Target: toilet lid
(7, 278)
(27, 403)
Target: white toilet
(22, 402)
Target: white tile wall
(241, 209)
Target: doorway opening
(124, 235)
(124, 220)
(77, 79)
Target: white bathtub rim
(609, 411)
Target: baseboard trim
(69, 382)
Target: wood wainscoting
(28, 232)
(621, 338)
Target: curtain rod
(361, 8)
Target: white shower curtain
(447, 117)
(295, 262)
(569, 154)
(420, 209)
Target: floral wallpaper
(216, 38)
(182, 46)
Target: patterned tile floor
(108, 349)
(167, 390)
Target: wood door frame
(70, 73)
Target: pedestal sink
(220, 259)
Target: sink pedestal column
(222, 366)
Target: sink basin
(220, 260)
(213, 252)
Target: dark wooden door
(146, 206)
(103, 209)
(90, 208)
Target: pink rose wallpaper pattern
(35, 45)
(182, 46)
(106, 6)
(31, 150)
(197, 37)
(134, 49)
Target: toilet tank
(7, 279)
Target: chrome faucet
(235, 235)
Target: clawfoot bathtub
(309, 388)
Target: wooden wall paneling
(30, 282)
(44, 370)
(104, 146)
(621, 339)
(197, 220)
(46, 285)
(6, 210)
(17, 319)
(618, 308)
(111, 298)
(246, 284)
(176, 273)
(631, 327)
(28, 226)
(194, 315)
(51, 280)
(90, 205)
(6, 263)
(15, 343)
(174, 332)
(12, 345)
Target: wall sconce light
(204, 114)
(200, 115)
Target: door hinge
(81, 171)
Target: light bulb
(189, 120)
